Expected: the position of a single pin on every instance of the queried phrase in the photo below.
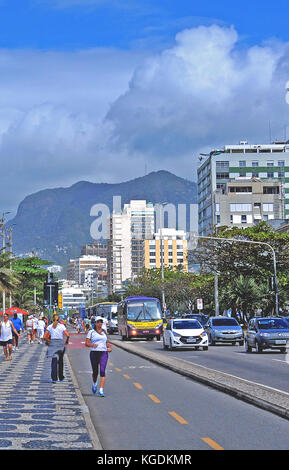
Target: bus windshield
(105, 310)
(144, 310)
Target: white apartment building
(265, 162)
(86, 262)
(125, 247)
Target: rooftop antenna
(270, 133)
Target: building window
(270, 174)
(242, 164)
(270, 164)
(243, 219)
(255, 164)
(268, 207)
(271, 190)
(240, 207)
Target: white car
(185, 333)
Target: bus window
(145, 310)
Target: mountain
(55, 223)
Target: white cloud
(101, 114)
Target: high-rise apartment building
(266, 162)
(170, 244)
(77, 266)
(247, 201)
(126, 234)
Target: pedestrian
(40, 330)
(105, 321)
(18, 325)
(96, 340)
(35, 323)
(6, 328)
(57, 337)
(29, 329)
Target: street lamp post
(161, 212)
(2, 225)
(256, 243)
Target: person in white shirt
(40, 330)
(56, 335)
(35, 323)
(6, 328)
(29, 329)
(96, 340)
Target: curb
(262, 396)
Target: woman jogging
(96, 340)
(6, 328)
(57, 337)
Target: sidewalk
(36, 414)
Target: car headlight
(203, 335)
(266, 335)
(177, 335)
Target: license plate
(191, 340)
(280, 341)
(145, 331)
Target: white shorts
(40, 333)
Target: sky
(108, 90)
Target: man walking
(18, 325)
(6, 328)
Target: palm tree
(8, 278)
(242, 295)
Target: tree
(32, 275)
(8, 278)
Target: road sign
(60, 303)
(200, 304)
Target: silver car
(224, 330)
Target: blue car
(224, 330)
(267, 333)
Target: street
(149, 407)
(270, 368)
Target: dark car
(267, 333)
(224, 330)
(201, 317)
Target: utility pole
(2, 226)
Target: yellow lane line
(212, 443)
(178, 417)
(137, 385)
(126, 376)
(118, 370)
(154, 398)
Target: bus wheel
(158, 337)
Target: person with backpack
(6, 329)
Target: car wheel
(248, 348)
(211, 341)
(283, 350)
(258, 347)
(164, 344)
(171, 348)
(205, 348)
(241, 343)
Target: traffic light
(50, 293)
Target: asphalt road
(148, 407)
(270, 368)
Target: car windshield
(186, 325)
(225, 322)
(144, 310)
(272, 324)
(202, 319)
